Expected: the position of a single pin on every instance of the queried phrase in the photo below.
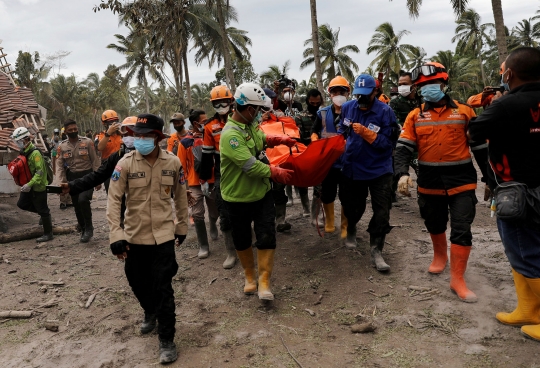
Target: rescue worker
(446, 175)
(33, 194)
(245, 186)
(512, 126)
(287, 104)
(76, 158)
(371, 131)
(326, 125)
(222, 101)
(148, 176)
(190, 153)
(485, 98)
(109, 139)
(179, 124)
(65, 199)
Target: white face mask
(404, 90)
(20, 144)
(339, 100)
(128, 141)
(287, 96)
(223, 110)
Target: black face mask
(73, 135)
(313, 109)
(364, 101)
(178, 128)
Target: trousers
(522, 247)
(35, 202)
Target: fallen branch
(53, 283)
(90, 300)
(50, 303)
(288, 351)
(108, 315)
(327, 253)
(419, 288)
(32, 233)
(16, 314)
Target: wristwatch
(107, 134)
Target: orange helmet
(339, 81)
(503, 66)
(130, 120)
(429, 71)
(109, 115)
(220, 92)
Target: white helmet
(20, 133)
(250, 94)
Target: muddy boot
(265, 260)
(167, 351)
(87, 234)
(377, 245)
(202, 239)
(533, 331)
(288, 191)
(527, 311)
(344, 224)
(350, 240)
(440, 253)
(86, 213)
(329, 224)
(231, 252)
(213, 229)
(305, 205)
(149, 323)
(281, 212)
(248, 263)
(459, 256)
(316, 212)
(47, 230)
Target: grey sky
(277, 28)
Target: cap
(271, 94)
(364, 84)
(177, 116)
(148, 123)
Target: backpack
(48, 165)
(20, 171)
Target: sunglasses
(426, 71)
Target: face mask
(178, 128)
(505, 85)
(223, 110)
(128, 141)
(404, 90)
(145, 146)
(313, 109)
(364, 101)
(56, 138)
(432, 92)
(73, 135)
(339, 100)
(20, 144)
(198, 128)
(258, 117)
(287, 96)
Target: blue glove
(26, 188)
(179, 238)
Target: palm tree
(274, 73)
(315, 43)
(201, 97)
(391, 55)
(527, 33)
(472, 35)
(138, 62)
(462, 73)
(417, 58)
(334, 60)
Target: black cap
(148, 123)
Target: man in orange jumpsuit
(179, 125)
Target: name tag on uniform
(374, 128)
(216, 127)
(67, 154)
(83, 151)
(167, 173)
(136, 175)
(346, 122)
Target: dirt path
(217, 326)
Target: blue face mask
(432, 92)
(144, 145)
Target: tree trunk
(482, 68)
(499, 30)
(225, 42)
(188, 84)
(315, 40)
(146, 95)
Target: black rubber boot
(350, 241)
(47, 230)
(167, 351)
(230, 261)
(202, 238)
(377, 244)
(213, 229)
(86, 213)
(148, 324)
(290, 200)
(281, 212)
(305, 205)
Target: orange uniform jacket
(476, 101)
(210, 157)
(113, 145)
(444, 159)
(175, 137)
(188, 163)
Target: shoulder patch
(234, 143)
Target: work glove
(65, 188)
(119, 247)
(404, 183)
(314, 137)
(487, 193)
(368, 135)
(179, 239)
(205, 188)
(26, 188)
(280, 175)
(276, 140)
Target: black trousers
(330, 185)
(35, 202)
(434, 210)
(224, 221)
(353, 195)
(149, 270)
(262, 214)
(81, 201)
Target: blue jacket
(361, 160)
(329, 127)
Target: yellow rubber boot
(344, 223)
(440, 253)
(459, 256)
(248, 263)
(528, 305)
(533, 331)
(265, 260)
(329, 225)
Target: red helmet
(429, 71)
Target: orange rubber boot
(344, 223)
(459, 255)
(329, 226)
(248, 263)
(440, 253)
(265, 261)
(528, 305)
(533, 331)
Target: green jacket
(243, 177)
(402, 106)
(36, 163)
